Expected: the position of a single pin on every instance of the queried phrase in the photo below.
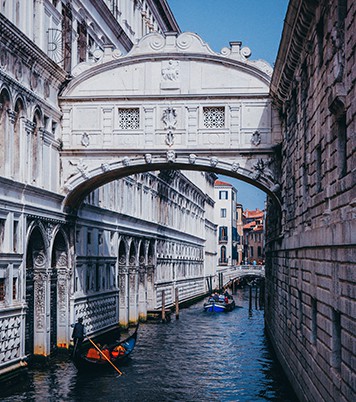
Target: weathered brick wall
(310, 266)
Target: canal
(200, 357)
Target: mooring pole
(163, 306)
(250, 298)
(256, 297)
(177, 303)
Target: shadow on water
(200, 357)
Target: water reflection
(200, 357)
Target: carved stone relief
(170, 70)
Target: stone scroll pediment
(182, 63)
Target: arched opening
(4, 129)
(36, 147)
(58, 292)
(18, 156)
(35, 293)
(223, 258)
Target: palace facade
(110, 259)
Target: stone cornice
(300, 15)
(28, 51)
(114, 25)
(164, 15)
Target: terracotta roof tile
(222, 183)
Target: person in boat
(216, 297)
(221, 298)
(211, 298)
(93, 353)
(119, 350)
(78, 335)
(105, 352)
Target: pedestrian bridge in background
(170, 103)
(240, 271)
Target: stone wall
(310, 267)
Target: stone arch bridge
(170, 103)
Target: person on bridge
(78, 335)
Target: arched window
(36, 148)
(223, 259)
(18, 157)
(4, 129)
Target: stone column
(63, 289)
(142, 294)
(123, 296)
(133, 294)
(150, 285)
(41, 313)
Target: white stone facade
(97, 217)
(225, 217)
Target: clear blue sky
(257, 24)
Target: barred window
(214, 117)
(14, 288)
(129, 119)
(2, 289)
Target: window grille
(214, 117)
(14, 288)
(129, 119)
(2, 289)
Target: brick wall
(310, 264)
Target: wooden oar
(102, 354)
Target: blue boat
(219, 306)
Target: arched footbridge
(241, 271)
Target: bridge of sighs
(170, 103)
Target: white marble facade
(98, 214)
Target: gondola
(219, 306)
(85, 360)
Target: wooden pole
(250, 298)
(163, 306)
(102, 354)
(177, 303)
(256, 297)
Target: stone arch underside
(170, 103)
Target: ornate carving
(171, 156)
(171, 71)
(170, 138)
(261, 169)
(256, 138)
(49, 230)
(192, 158)
(39, 259)
(46, 88)
(170, 118)
(18, 69)
(105, 167)
(4, 58)
(83, 169)
(39, 301)
(34, 78)
(126, 161)
(85, 140)
(148, 158)
(12, 115)
(214, 161)
(235, 167)
(29, 126)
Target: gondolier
(78, 335)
